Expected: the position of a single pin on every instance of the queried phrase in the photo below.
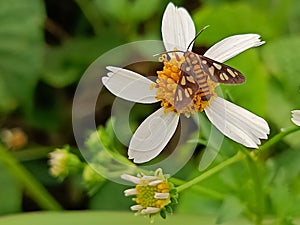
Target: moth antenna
(197, 35)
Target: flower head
(154, 194)
(296, 117)
(62, 163)
(167, 83)
(14, 138)
(154, 133)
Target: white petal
(296, 117)
(232, 46)
(152, 136)
(237, 123)
(129, 85)
(150, 210)
(161, 195)
(131, 178)
(130, 192)
(148, 178)
(177, 28)
(136, 207)
(155, 182)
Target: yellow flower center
(146, 195)
(167, 83)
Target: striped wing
(220, 72)
(186, 89)
(193, 80)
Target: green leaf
(251, 95)
(65, 64)
(282, 58)
(294, 18)
(148, 9)
(277, 100)
(110, 197)
(281, 195)
(126, 11)
(10, 194)
(282, 185)
(21, 51)
(193, 202)
(47, 113)
(289, 161)
(111, 218)
(163, 214)
(169, 209)
(230, 210)
(8, 102)
(234, 18)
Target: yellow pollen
(146, 195)
(167, 82)
(160, 203)
(163, 186)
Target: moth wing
(220, 72)
(185, 91)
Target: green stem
(199, 189)
(91, 14)
(36, 190)
(277, 138)
(34, 153)
(257, 186)
(210, 172)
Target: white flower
(296, 117)
(152, 192)
(154, 133)
(62, 163)
(58, 162)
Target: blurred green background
(45, 47)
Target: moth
(195, 71)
